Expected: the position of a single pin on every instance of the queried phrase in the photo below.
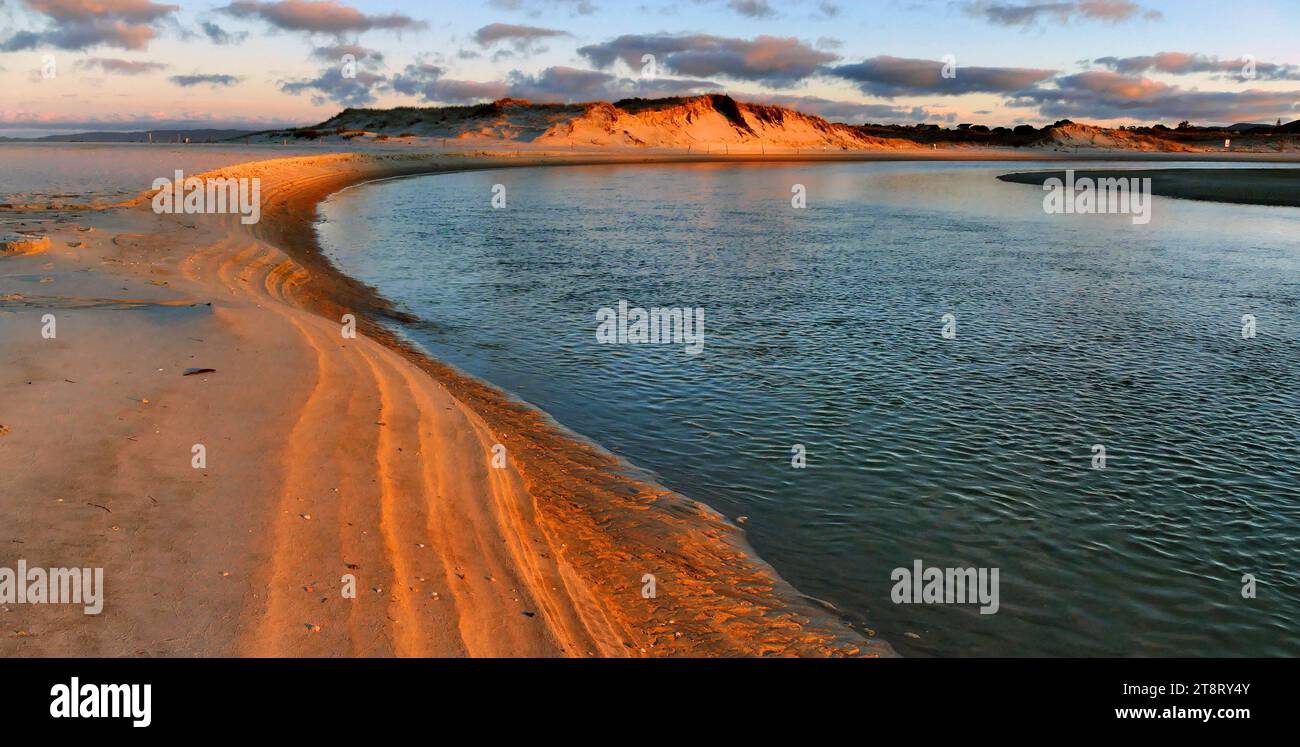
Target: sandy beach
(329, 457)
(326, 456)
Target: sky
(75, 65)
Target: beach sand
(325, 457)
(329, 457)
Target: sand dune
(1073, 135)
(718, 123)
(700, 123)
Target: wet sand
(1279, 187)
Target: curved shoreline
(331, 456)
(602, 484)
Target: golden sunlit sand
(328, 457)
(332, 460)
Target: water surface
(73, 173)
(823, 328)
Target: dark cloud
(333, 85)
(83, 24)
(218, 35)
(566, 84)
(1187, 63)
(901, 76)
(561, 84)
(554, 84)
(771, 60)
(115, 66)
(752, 8)
(521, 37)
(319, 16)
(1029, 13)
(427, 82)
(852, 112)
(1102, 94)
(828, 9)
(214, 80)
(335, 52)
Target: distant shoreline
(1276, 187)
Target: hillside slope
(694, 122)
(1075, 135)
(717, 122)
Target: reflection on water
(823, 329)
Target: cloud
(218, 35)
(1029, 13)
(319, 16)
(335, 52)
(1187, 63)
(853, 112)
(427, 82)
(752, 8)
(131, 11)
(771, 60)
(83, 24)
(332, 85)
(554, 84)
(522, 37)
(214, 80)
(900, 76)
(764, 10)
(537, 7)
(1100, 94)
(567, 84)
(115, 66)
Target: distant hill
(141, 136)
(712, 121)
(718, 122)
(1070, 135)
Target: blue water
(823, 328)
